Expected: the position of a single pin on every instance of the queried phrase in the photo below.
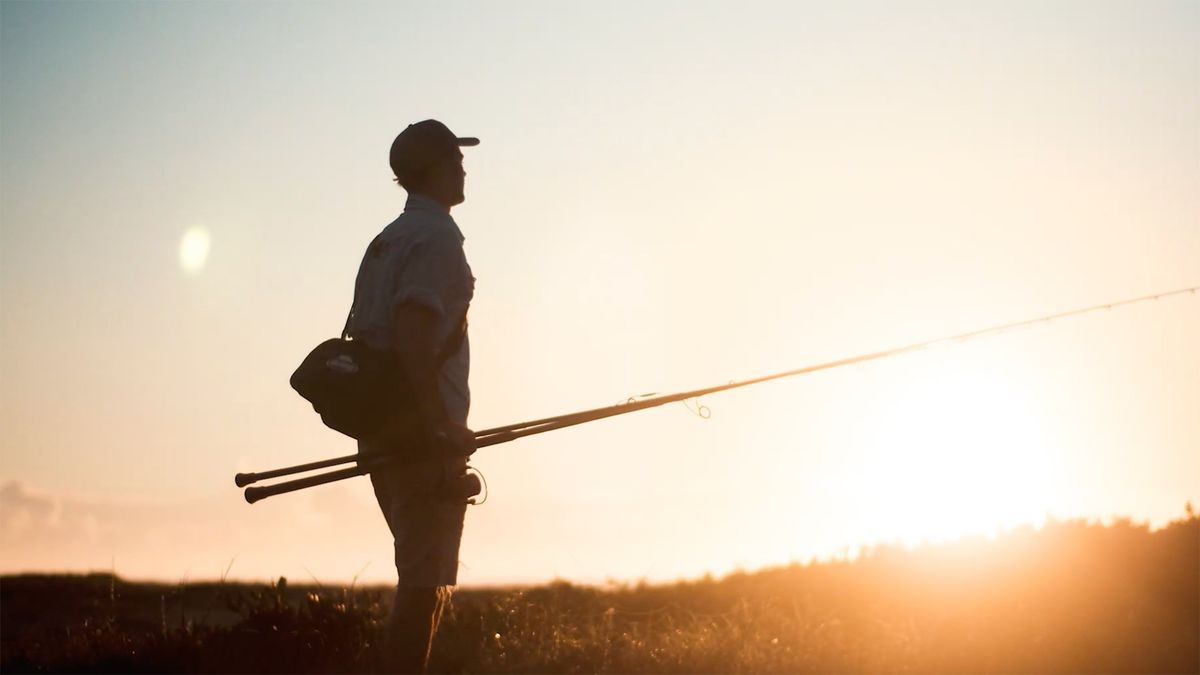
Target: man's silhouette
(413, 290)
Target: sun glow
(193, 250)
(958, 451)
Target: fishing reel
(466, 488)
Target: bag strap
(372, 250)
(346, 328)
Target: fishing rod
(504, 434)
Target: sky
(667, 196)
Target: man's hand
(452, 440)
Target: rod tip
(243, 479)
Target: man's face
(448, 179)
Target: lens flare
(193, 250)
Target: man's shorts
(426, 521)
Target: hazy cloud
(22, 510)
(332, 532)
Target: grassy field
(1068, 598)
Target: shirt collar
(422, 203)
(419, 202)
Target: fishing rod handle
(255, 494)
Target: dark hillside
(1068, 598)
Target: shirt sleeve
(426, 275)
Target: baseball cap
(420, 144)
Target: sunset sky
(668, 195)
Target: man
(412, 293)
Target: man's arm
(423, 286)
(416, 348)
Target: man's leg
(411, 627)
(427, 530)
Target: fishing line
(513, 431)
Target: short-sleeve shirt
(419, 258)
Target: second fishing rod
(503, 434)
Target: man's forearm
(416, 349)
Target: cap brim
(467, 142)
